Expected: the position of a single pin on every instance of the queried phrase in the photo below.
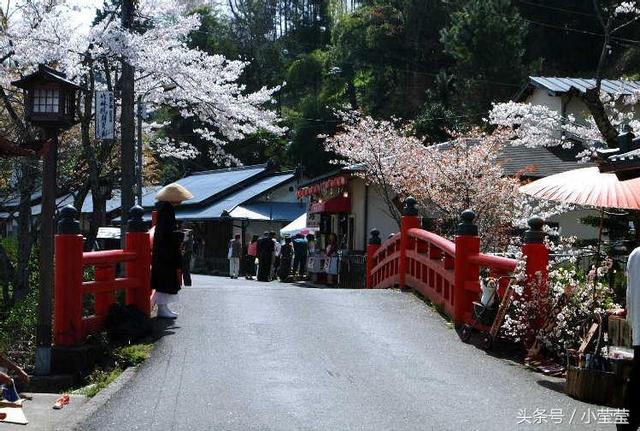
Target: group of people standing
(268, 258)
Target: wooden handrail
(385, 245)
(107, 257)
(443, 244)
(494, 262)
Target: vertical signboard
(105, 115)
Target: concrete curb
(91, 407)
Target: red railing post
(410, 220)
(537, 254)
(466, 273)
(69, 244)
(138, 241)
(104, 300)
(372, 247)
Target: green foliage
(313, 118)
(305, 73)
(98, 380)
(115, 361)
(215, 34)
(486, 36)
(435, 122)
(486, 41)
(18, 329)
(10, 245)
(133, 355)
(389, 58)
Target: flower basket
(595, 386)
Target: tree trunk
(26, 187)
(592, 99)
(6, 276)
(592, 96)
(94, 161)
(127, 127)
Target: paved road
(249, 356)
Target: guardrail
(446, 272)
(71, 327)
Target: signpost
(105, 115)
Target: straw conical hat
(173, 192)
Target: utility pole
(127, 127)
(139, 149)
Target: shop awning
(335, 205)
(265, 211)
(297, 226)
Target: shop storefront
(342, 208)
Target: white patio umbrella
(297, 226)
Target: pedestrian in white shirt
(235, 252)
(277, 247)
(633, 318)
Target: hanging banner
(313, 219)
(105, 115)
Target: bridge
(446, 272)
(247, 355)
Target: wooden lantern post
(50, 104)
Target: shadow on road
(309, 285)
(554, 386)
(162, 328)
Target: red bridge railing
(446, 272)
(383, 268)
(71, 327)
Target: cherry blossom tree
(204, 87)
(613, 16)
(381, 152)
(446, 179)
(540, 126)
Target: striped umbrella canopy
(587, 186)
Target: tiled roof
(537, 162)
(205, 185)
(626, 157)
(540, 162)
(564, 85)
(214, 210)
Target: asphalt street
(257, 356)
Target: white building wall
(285, 193)
(542, 97)
(378, 216)
(570, 225)
(575, 107)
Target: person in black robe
(187, 254)
(166, 260)
(266, 248)
(286, 256)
